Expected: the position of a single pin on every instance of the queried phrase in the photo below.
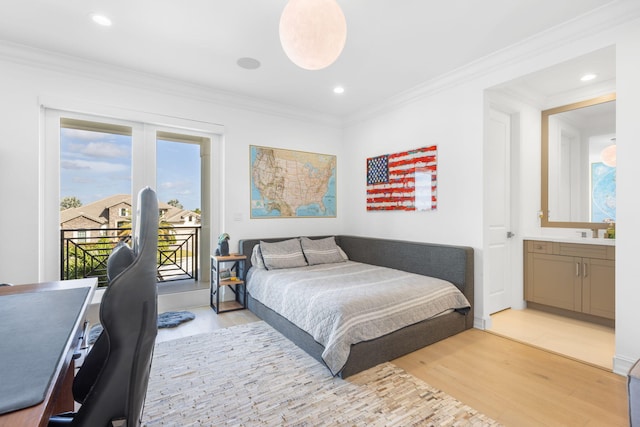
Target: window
(95, 161)
(178, 164)
(97, 157)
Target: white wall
(450, 113)
(451, 119)
(628, 207)
(28, 77)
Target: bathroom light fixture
(608, 155)
(101, 20)
(588, 77)
(313, 32)
(338, 90)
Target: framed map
(292, 184)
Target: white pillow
(256, 257)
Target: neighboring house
(114, 211)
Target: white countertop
(581, 240)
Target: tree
(175, 203)
(166, 233)
(70, 202)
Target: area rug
(171, 319)
(251, 375)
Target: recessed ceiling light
(248, 63)
(588, 77)
(338, 89)
(101, 20)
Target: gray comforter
(345, 303)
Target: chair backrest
(129, 316)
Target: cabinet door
(599, 287)
(555, 280)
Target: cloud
(96, 167)
(177, 187)
(72, 165)
(84, 135)
(100, 149)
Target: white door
(498, 212)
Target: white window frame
(144, 129)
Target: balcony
(84, 252)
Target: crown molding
(94, 70)
(600, 21)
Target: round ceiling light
(101, 20)
(588, 77)
(313, 32)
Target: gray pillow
(321, 251)
(284, 254)
(120, 258)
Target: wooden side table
(227, 271)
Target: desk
(58, 395)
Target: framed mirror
(578, 180)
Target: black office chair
(111, 384)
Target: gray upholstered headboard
(447, 262)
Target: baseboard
(480, 323)
(622, 365)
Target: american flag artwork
(403, 181)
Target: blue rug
(170, 319)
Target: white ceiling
(392, 46)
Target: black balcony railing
(84, 252)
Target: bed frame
(452, 263)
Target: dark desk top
(38, 333)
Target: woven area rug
(251, 375)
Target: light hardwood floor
(513, 383)
(583, 341)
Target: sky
(95, 165)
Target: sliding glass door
(93, 169)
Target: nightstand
(228, 271)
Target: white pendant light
(313, 32)
(608, 155)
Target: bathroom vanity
(571, 278)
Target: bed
(439, 263)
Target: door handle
(577, 269)
(584, 269)
(510, 234)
